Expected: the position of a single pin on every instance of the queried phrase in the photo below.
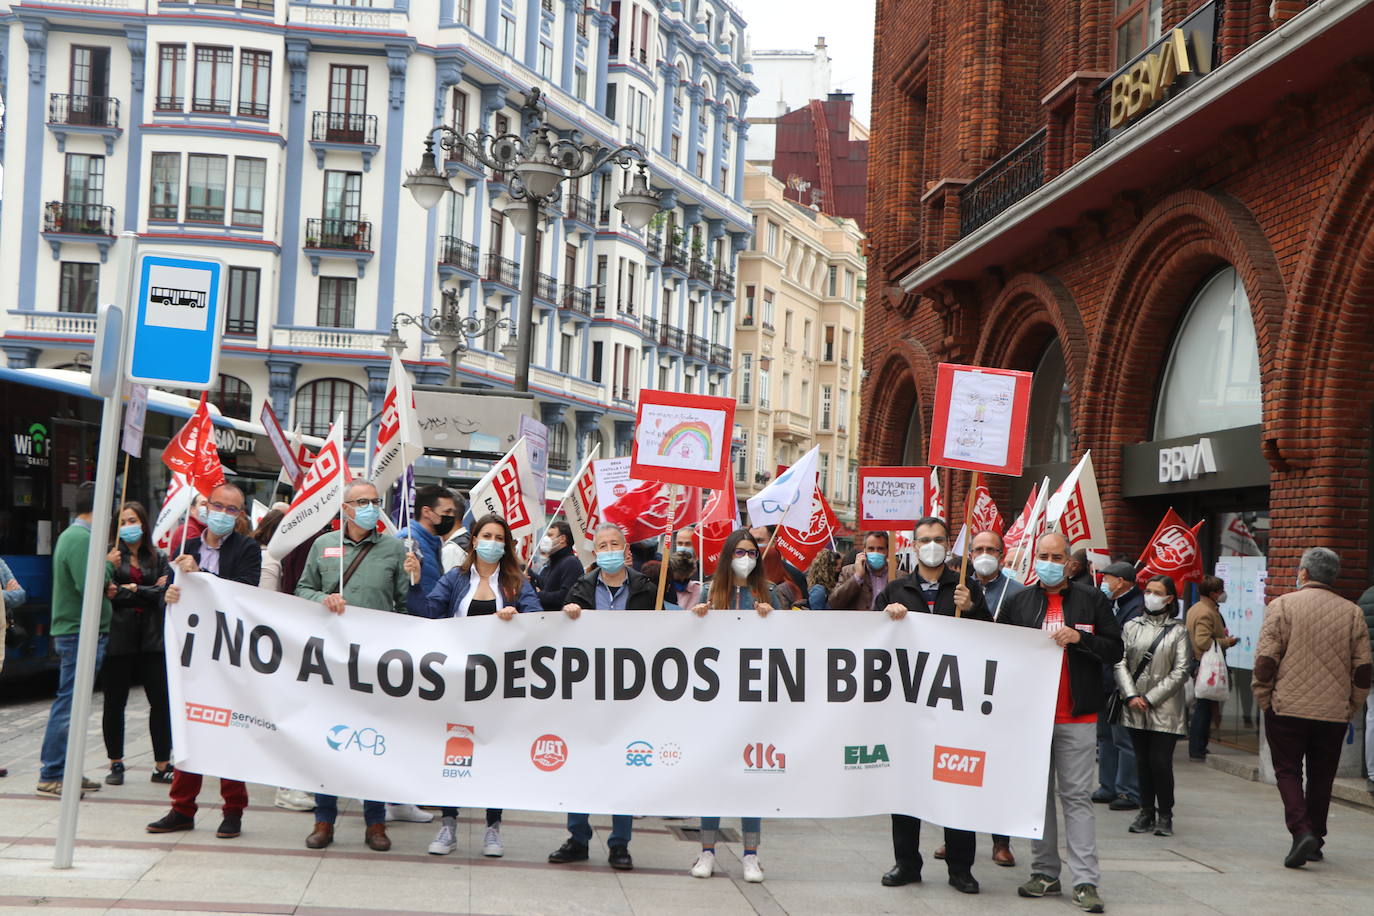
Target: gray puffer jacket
(1161, 683)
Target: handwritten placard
(892, 497)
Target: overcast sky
(796, 24)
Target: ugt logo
(361, 740)
(549, 752)
(759, 758)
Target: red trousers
(186, 786)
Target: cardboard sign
(682, 439)
(892, 497)
(980, 419)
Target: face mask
(684, 549)
(743, 566)
(546, 544)
(490, 551)
(610, 561)
(985, 565)
(1155, 603)
(932, 554)
(1221, 599)
(445, 524)
(220, 523)
(130, 533)
(1049, 572)
(1107, 590)
(876, 561)
(366, 517)
(1299, 581)
(203, 513)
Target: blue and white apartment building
(275, 135)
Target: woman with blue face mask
(135, 647)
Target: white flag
(508, 490)
(579, 502)
(1075, 509)
(787, 500)
(398, 439)
(259, 510)
(319, 499)
(174, 506)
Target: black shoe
(116, 775)
(1102, 797)
(1123, 803)
(963, 882)
(171, 822)
(163, 776)
(1164, 826)
(1198, 758)
(229, 828)
(619, 858)
(898, 875)
(1303, 846)
(1316, 855)
(1144, 822)
(570, 851)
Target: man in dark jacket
(563, 568)
(436, 512)
(223, 552)
(933, 589)
(1080, 620)
(1117, 785)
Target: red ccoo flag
(1173, 551)
(192, 452)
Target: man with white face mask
(986, 553)
(562, 569)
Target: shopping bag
(1212, 680)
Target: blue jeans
(1116, 760)
(53, 756)
(750, 827)
(580, 826)
(327, 810)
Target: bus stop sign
(178, 321)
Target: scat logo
(958, 765)
(639, 754)
(361, 740)
(549, 752)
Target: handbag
(1213, 680)
(1116, 703)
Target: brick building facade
(1017, 220)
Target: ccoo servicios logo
(345, 738)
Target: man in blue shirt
(436, 512)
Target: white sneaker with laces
(444, 841)
(295, 800)
(408, 813)
(705, 864)
(753, 871)
(491, 842)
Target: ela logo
(549, 753)
(639, 754)
(959, 765)
(362, 740)
(861, 757)
(759, 758)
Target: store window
(1212, 379)
(1136, 23)
(1049, 433)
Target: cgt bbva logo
(761, 758)
(549, 752)
(458, 751)
(958, 765)
(359, 740)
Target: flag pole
(667, 540)
(968, 522)
(562, 503)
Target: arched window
(1049, 436)
(558, 448)
(1212, 379)
(318, 403)
(232, 396)
(592, 440)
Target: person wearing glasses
(739, 584)
(220, 551)
(933, 588)
(364, 568)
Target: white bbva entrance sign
(799, 714)
(1186, 462)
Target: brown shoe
(321, 836)
(376, 838)
(940, 853)
(1001, 855)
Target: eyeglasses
(741, 553)
(364, 503)
(227, 510)
(931, 540)
(979, 551)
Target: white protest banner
(682, 438)
(174, 506)
(789, 715)
(892, 498)
(135, 415)
(398, 436)
(319, 499)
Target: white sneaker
(491, 842)
(753, 871)
(294, 800)
(444, 842)
(704, 865)
(408, 813)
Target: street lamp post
(541, 161)
(448, 327)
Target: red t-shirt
(1063, 709)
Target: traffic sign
(178, 321)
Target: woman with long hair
(739, 584)
(821, 578)
(488, 581)
(271, 567)
(1150, 676)
(135, 644)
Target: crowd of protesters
(1123, 702)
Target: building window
(1136, 24)
(462, 13)
(250, 183)
(164, 199)
(768, 309)
(241, 319)
(343, 192)
(747, 318)
(347, 118)
(171, 78)
(213, 84)
(746, 377)
(580, 84)
(849, 284)
(823, 473)
(84, 183)
(80, 284)
(828, 348)
(741, 464)
(460, 110)
(1212, 378)
(826, 392)
(763, 388)
(234, 398)
(489, 339)
(558, 448)
(338, 298)
(545, 61)
(598, 351)
(255, 80)
(565, 354)
(771, 246)
(205, 178)
(831, 284)
(508, 35)
(701, 164)
(318, 403)
(760, 457)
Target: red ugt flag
(800, 547)
(1173, 551)
(193, 453)
(642, 513)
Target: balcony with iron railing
(669, 336)
(338, 234)
(83, 114)
(654, 246)
(546, 288)
(461, 155)
(725, 282)
(501, 270)
(576, 207)
(65, 218)
(600, 300)
(457, 253)
(698, 348)
(650, 326)
(575, 299)
(702, 271)
(677, 258)
(338, 130)
(1003, 183)
(720, 356)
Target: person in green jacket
(68, 582)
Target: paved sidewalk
(1226, 858)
